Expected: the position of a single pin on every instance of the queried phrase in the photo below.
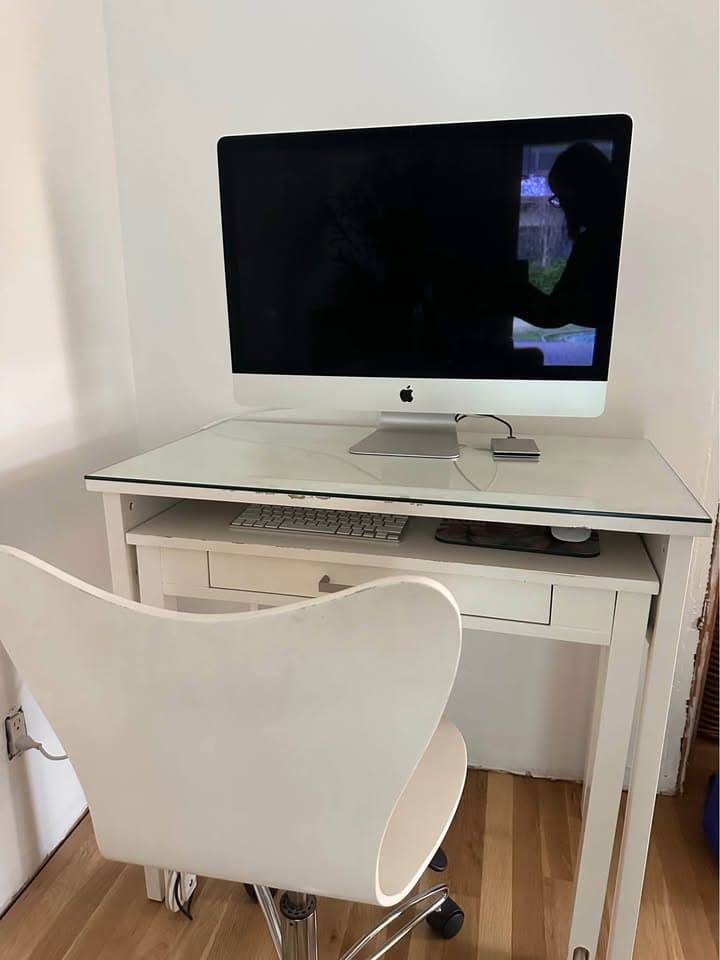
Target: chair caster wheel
(439, 862)
(250, 890)
(447, 920)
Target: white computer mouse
(571, 534)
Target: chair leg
(435, 897)
(439, 861)
(298, 917)
(264, 897)
(447, 920)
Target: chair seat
(423, 814)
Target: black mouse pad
(511, 536)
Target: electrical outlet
(15, 728)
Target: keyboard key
(308, 520)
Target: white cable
(26, 743)
(462, 473)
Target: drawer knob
(325, 586)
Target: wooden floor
(511, 848)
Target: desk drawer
(476, 596)
(500, 599)
(583, 609)
(263, 574)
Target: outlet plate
(15, 728)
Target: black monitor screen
(464, 250)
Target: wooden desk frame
(137, 573)
(621, 487)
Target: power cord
(26, 742)
(489, 416)
(184, 908)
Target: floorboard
(512, 851)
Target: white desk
(167, 515)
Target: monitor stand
(431, 435)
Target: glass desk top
(575, 475)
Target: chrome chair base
(298, 927)
(293, 923)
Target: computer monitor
(440, 268)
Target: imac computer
(424, 271)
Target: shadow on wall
(47, 511)
(66, 375)
(95, 347)
(542, 728)
(72, 187)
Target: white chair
(301, 747)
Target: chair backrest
(268, 746)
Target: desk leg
(594, 724)
(649, 748)
(121, 513)
(149, 567)
(149, 563)
(620, 666)
(123, 568)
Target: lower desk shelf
(198, 554)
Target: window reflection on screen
(544, 242)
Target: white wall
(66, 390)
(184, 73)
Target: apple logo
(406, 395)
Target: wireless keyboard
(348, 524)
